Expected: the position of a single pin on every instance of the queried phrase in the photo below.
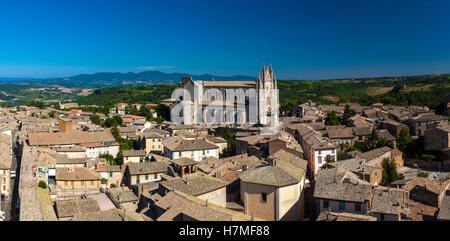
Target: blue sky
(301, 39)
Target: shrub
(428, 157)
(109, 158)
(42, 184)
(329, 159)
(422, 174)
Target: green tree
(422, 174)
(372, 140)
(131, 110)
(118, 119)
(286, 108)
(126, 145)
(52, 114)
(231, 140)
(359, 146)
(158, 120)
(144, 111)
(382, 142)
(110, 122)
(390, 173)
(42, 184)
(404, 141)
(115, 132)
(332, 119)
(109, 158)
(343, 99)
(95, 119)
(163, 111)
(348, 113)
(119, 158)
(37, 104)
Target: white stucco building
(176, 147)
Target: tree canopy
(95, 119)
(110, 122)
(390, 173)
(231, 141)
(404, 141)
(332, 119)
(348, 113)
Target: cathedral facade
(229, 102)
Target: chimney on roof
(65, 125)
(274, 162)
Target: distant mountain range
(13, 79)
(109, 79)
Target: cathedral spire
(258, 82)
(275, 82)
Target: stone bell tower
(267, 82)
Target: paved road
(411, 172)
(6, 207)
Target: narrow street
(6, 204)
(13, 213)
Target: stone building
(422, 122)
(276, 191)
(200, 186)
(202, 94)
(438, 139)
